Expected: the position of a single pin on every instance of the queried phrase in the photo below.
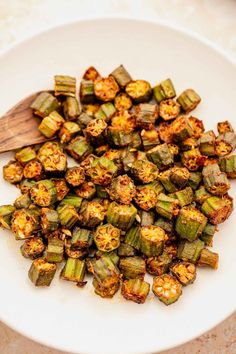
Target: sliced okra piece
(125, 250)
(136, 142)
(50, 124)
(102, 171)
(43, 193)
(150, 138)
(124, 120)
(169, 109)
(25, 185)
(217, 209)
(165, 224)
(174, 149)
(164, 90)
(107, 237)
(194, 180)
(146, 195)
(102, 149)
(122, 102)
(158, 265)
(140, 91)
(81, 238)
(86, 164)
(86, 190)
(71, 108)
(106, 280)
(146, 217)
(132, 237)
(91, 109)
(49, 220)
(197, 127)
(75, 176)
(224, 127)
(92, 213)
(122, 76)
(68, 131)
(167, 206)
(121, 216)
(190, 223)
(144, 171)
(23, 201)
(181, 129)
(167, 288)
(132, 267)
(74, 270)
(117, 156)
(215, 181)
(165, 132)
(106, 89)
(91, 74)
(152, 240)
(24, 223)
(201, 194)
(44, 104)
(68, 215)
(228, 165)
(13, 172)
(225, 143)
(208, 234)
(189, 144)
(171, 249)
(118, 137)
(102, 192)
(188, 99)
(64, 85)
(193, 159)
(25, 155)
(146, 115)
(79, 148)
(75, 253)
(55, 250)
(207, 143)
(184, 196)
(61, 188)
(33, 170)
(33, 247)
(122, 189)
(41, 272)
(179, 176)
(112, 255)
(166, 181)
(208, 259)
(161, 156)
(95, 131)
(184, 271)
(6, 213)
(73, 200)
(190, 251)
(84, 119)
(106, 111)
(135, 290)
(53, 159)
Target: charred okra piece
(106, 111)
(75, 252)
(197, 127)
(166, 181)
(184, 271)
(207, 143)
(132, 267)
(92, 213)
(72, 199)
(121, 215)
(167, 288)
(102, 171)
(79, 148)
(68, 215)
(107, 238)
(174, 149)
(122, 102)
(201, 195)
(136, 142)
(133, 237)
(13, 172)
(75, 176)
(158, 265)
(43, 193)
(188, 100)
(6, 212)
(144, 171)
(224, 127)
(42, 272)
(91, 74)
(68, 131)
(146, 195)
(167, 206)
(86, 164)
(84, 119)
(164, 90)
(208, 259)
(122, 189)
(61, 188)
(217, 209)
(122, 76)
(125, 250)
(106, 89)
(179, 176)
(146, 218)
(228, 165)
(135, 290)
(112, 255)
(208, 234)
(51, 124)
(53, 159)
(225, 143)
(95, 131)
(124, 121)
(146, 115)
(44, 104)
(86, 190)
(169, 109)
(194, 180)
(214, 180)
(90, 109)
(152, 240)
(64, 85)
(33, 247)
(49, 220)
(190, 223)
(193, 159)
(189, 144)
(102, 192)
(184, 196)
(139, 90)
(74, 270)
(81, 238)
(165, 132)
(118, 137)
(25, 155)
(33, 170)
(161, 156)
(24, 223)
(71, 108)
(55, 250)
(181, 129)
(150, 138)
(190, 251)
(25, 185)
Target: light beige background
(214, 19)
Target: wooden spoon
(19, 127)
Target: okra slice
(165, 224)
(107, 237)
(79, 148)
(49, 220)
(208, 234)
(174, 149)
(189, 144)
(224, 127)
(33, 247)
(165, 132)
(208, 259)
(33, 170)
(54, 163)
(112, 255)
(139, 90)
(90, 109)
(43, 193)
(179, 176)
(72, 199)
(190, 251)
(44, 104)
(181, 129)
(164, 90)
(184, 196)
(197, 127)
(68, 131)
(92, 213)
(133, 237)
(167, 206)
(74, 270)
(146, 195)
(228, 165)
(102, 192)
(102, 149)
(152, 240)
(122, 102)
(25, 185)
(118, 138)
(122, 76)
(13, 172)
(117, 156)
(184, 271)
(61, 188)
(144, 171)
(86, 190)
(75, 252)
(95, 131)
(193, 159)
(84, 119)
(106, 111)
(91, 74)
(146, 217)
(64, 85)
(23, 201)
(6, 213)
(135, 290)
(214, 180)
(225, 143)
(121, 216)
(25, 155)
(125, 250)
(102, 171)
(122, 189)
(158, 265)
(132, 267)
(106, 280)
(124, 120)
(188, 99)
(81, 238)
(150, 138)
(169, 109)
(207, 143)
(167, 288)
(161, 156)
(217, 209)
(55, 250)
(75, 176)
(68, 215)
(86, 164)
(194, 180)
(146, 115)
(106, 88)
(51, 124)
(24, 223)
(41, 272)
(190, 223)
(71, 108)
(166, 181)
(201, 195)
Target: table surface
(21, 18)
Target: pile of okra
(145, 192)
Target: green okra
(92, 213)
(207, 143)
(53, 159)
(122, 189)
(122, 76)
(33, 170)
(23, 201)
(190, 251)
(50, 124)
(43, 193)
(107, 237)
(169, 109)
(167, 288)
(91, 74)
(106, 111)
(146, 218)
(121, 216)
(208, 234)
(25, 223)
(224, 127)
(190, 223)
(61, 188)
(158, 265)
(215, 181)
(106, 88)
(75, 176)
(25, 155)
(68, 131)
(74, 270)
(152, 240)
(184, 271)
(135, 290)
(166, 181)
(79, 148)
(228, 165)
(140, 91)
(44, 104)
(41, 272)
(33, 247)
(179, 176)
(13, 172)
(102, 171)
(133, 237)
(68, 215)
(181, 129)
(188, 100)
(84, 119)
(197, 127)
(95, 131)
(225, 143)
(64, 85)
(118, 137)
(102, 192)
(146, 115)
(165, 224)
(185, 196)
(164, 90)
(55, 250)
(208, 259)
(166, 206)
(194, 180)
(125, 250)
(75, 253)
(144, 171)
(217, 209)
(25, 185)
(161, 156)
(86, 190)
(136, 142)
(6, 213)
(122, 102)
(146, 195)
(192, 159)
(49, 220)
(132, 267)
(112, 255)
(71, 108)
(150, 138)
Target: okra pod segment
(107, 237)
(207, 143)
(144, 171)
(84, 119)
(193, 159)
(125, 250)
(140, 91)
(166, 181)
(217, 209)
(169, 109)
(190, 223)
(167, 206)
(73, 200)
(224, 127)
(184, 271)
(41, 272)
(179, 176)
(118, 137)
(133, 237)
(122, 102)
(208, 259)
(146, 217)
(188, 99)
(50, 124)
(102, 171)
(74, 270)
(25, 155)
(161, 156)
(13, 172)
(201, 195)
(68, 215)
(146, 195)
(68, 131)
(6, 213)
(33, 170)
(194, 180)
(150, 138)
(95, 131)
(33, 247)
(158, 265)
(121, 216)
(106, 111)
(164, 90)
(44, 104)
(189, 144)
(135, 290)
(43, 193)
(165, 224)
(228, 165)
(25, 223)
(190, 251)
(74, 252)
(208, 234)
(91, 74)
(152, 240)
(61, 188)
(75, 176)
(102, 192)
(71, 108)
(86, 190)
(225, 143)
(132, 267)
(49, 220)
(167, 288)
(122, 189)
(79, 148)
(65, 85)
(197, 127)
(146, 115)
(25, 185)
(122, 76)
(53, 159)
(112, 255)
(55, 250)
(181, 129)
(165, 132)
(92, 213)
(184, 196)
(214, 180)
(106, 88)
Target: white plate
(73, 319)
